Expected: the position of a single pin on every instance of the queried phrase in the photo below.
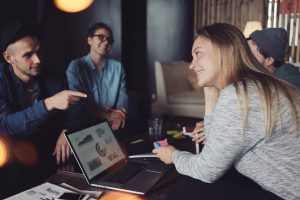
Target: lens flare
(4, 152)
(116, 195)
(26, 153)
(72, 5)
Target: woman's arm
(224, 142)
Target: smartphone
(73, 196)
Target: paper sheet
(94, 194)
(46, 191)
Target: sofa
(177, 90)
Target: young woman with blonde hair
(252, 119)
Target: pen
(196, 144)
(197, 148)
(183, 129)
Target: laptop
(104, 163)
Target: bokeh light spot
(4, 152)
(72, 5)
(26, 153)
(116, 195)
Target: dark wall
(11, 10)
(134, 38)
(65, 33)
(169, 33)
(144, 30)
(17, 9)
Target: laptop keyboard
(123, 175)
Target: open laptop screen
(96, 148)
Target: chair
(175, 93)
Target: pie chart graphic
(100, 151)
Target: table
(144, 145)
(77, 180)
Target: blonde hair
(238, 66)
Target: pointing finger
(77, 94)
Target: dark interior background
(144, 31)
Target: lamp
(250, 27)
(72, 5)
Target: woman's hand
(198, 133)
(164, 153)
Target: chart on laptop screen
(96, 148)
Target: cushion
(192, 78)
(175, 76)
(187, 97)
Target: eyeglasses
(103, 38)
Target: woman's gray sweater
(273, 163)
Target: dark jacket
(289, 73)
(33, 123)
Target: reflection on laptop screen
(96, 148)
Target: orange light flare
(5, 153)
(26, 153)
(116, 195)
(72, 6)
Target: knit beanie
(16, 30)
(272, 41)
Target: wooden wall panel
(236, 12)
(284, 13)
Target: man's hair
(99, 25)
(237, 65)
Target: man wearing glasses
(100, 77)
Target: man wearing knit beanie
(269, 48)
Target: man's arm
(225, 142)
(23, 121)
(26, 120)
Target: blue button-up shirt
(16, 117)
(106, 88)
